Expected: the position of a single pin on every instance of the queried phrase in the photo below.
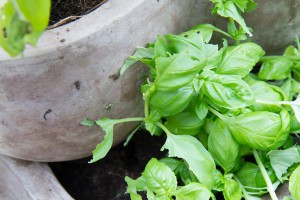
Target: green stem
(133, 119)
(132, 134)
(296, 103)
(163, 128)
(222, 117)
(264, 172)
(146, 109)
(246, 195)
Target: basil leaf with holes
(227, 91)
(223, 147)
(193, 191)
(169, 103)
(276, 69)
(194, 153)
(176, 71)
(239, 60)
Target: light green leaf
(88, 122)
(193, 191)
(159, 178)
(239, 60)
(201, 110)
(296, 108)
(194, 153)
(294, 183)
(229, 10)
(36, 12)
(281, 160)
(102, 149)
(227, 91)
(176, 71)
(141, 54)
(260, 130)
(232, 190)
(276, 68)
(132, 187)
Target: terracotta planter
(73, 72)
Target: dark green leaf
(223, 147)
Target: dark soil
(62, 9)
(104, 180)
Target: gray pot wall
(25, 180)
(73, 72)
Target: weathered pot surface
(28, 181)
(73, 72)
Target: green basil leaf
(37, 12)
(240, 60)
(102, 149)
(201, 110)
(281, 160)
(227, 91)
(276, 69)
(229, 10)
(161, 48)
(193, 191)
(260, 130)
(296, 108)
(295, 125)
(232, 190)
(173, 163)
(223, 147)
(21, 23)
(184, 123)
(194, 153)
(176, 71)
(159, 178)
(294, 183)
(133, 186)
(153, 118)
(265, 92)
(141, 54)
(88, 122)
(169, 103)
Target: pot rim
(65, 35)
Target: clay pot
(28, 181)
(73, 72)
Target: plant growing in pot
(216, 111)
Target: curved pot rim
(65, 35)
